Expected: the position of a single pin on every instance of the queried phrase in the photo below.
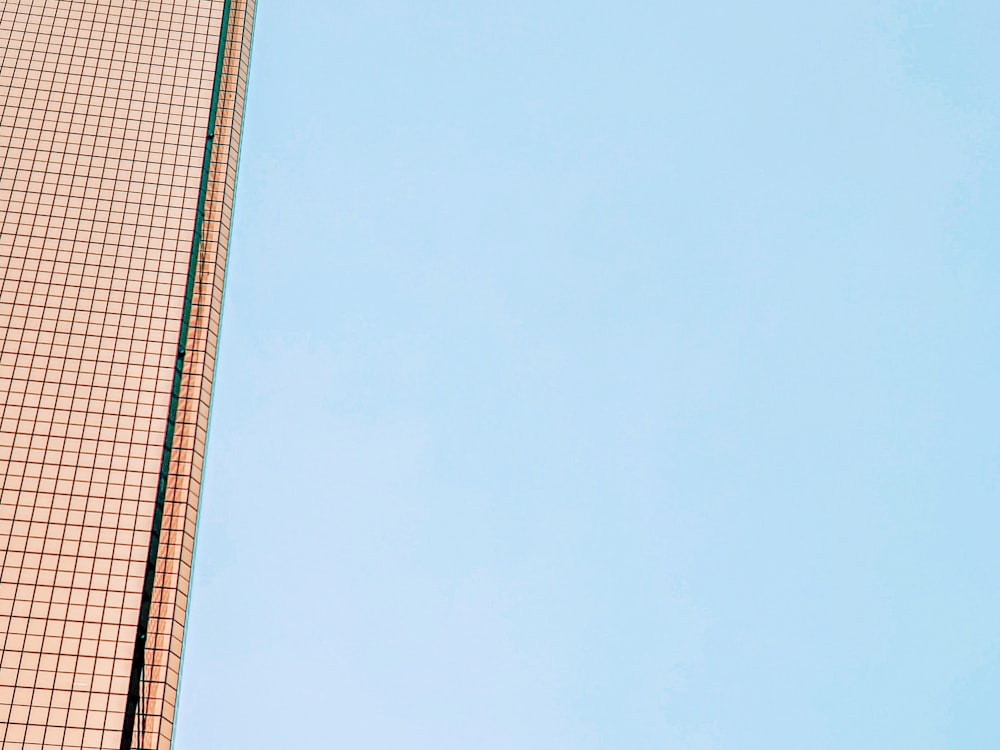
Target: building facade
(119, 139)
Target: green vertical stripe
(149, 582)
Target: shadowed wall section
(176, 547)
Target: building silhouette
(119, 138)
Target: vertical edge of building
(153, 694)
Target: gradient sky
(608, 376)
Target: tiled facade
(119, 137)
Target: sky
(608, 376)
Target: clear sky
(608, 376)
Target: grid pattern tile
(173, 573)
(106, 105)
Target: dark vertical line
(247, 37)
(149, 583)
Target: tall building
(119, 138)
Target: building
(120, 134)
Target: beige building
(119, 136)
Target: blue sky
(608, 376)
